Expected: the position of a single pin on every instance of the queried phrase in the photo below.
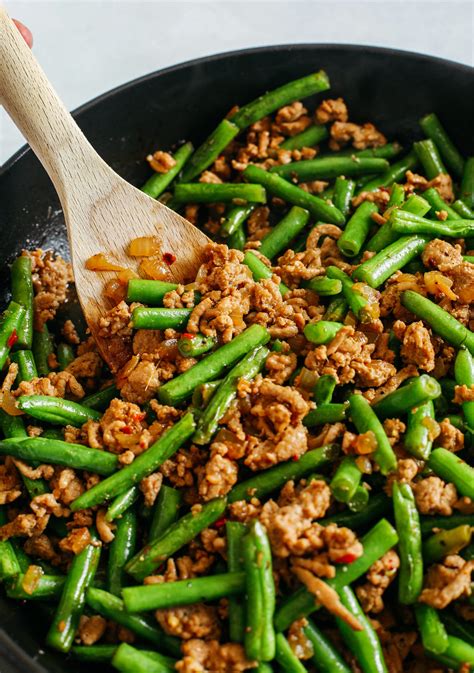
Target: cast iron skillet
(390, 88)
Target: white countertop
(87, 47)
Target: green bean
(165, 511)
(143, 465)
(177, 535)
(121, 550)
(326, 413)
(65, 355)
(238, 239)
(376, 543)
(71, 604)
(220, 402)
(395, 173)
(26, 365)
(42, 349)
(235, 218)
(464, 373)
(203, 393)
(270, 480)
(432, 631)
(430, 523)
(210, 149)
(343, 192)
(441, 322)
(22, 294)
(121, 503)
(56, 410)
(160, 318)
(101, 399)
(11, 321)
(357, 229)
(454, 627)
(271, 101)
(387, 151)
(438, 204)
(406, 224)
(128, 659)
(402, 400)
(93, 653)
(57, 452)
(157, 184)
(386, 234)
(364, 644)
(48, 587)
(397, 196)
(113, 608)
(429, 158)
(355, 295)
(457, 654)
(323, 286)
(325, 656)
(346, 479)
(419, 436)
(262, 667)
(365, 420)
(359, 500)
(191, 346)
(385, 263)
(446, 542)
(407, 520)
(467, 184)
(284, 232)
(453, 469)
(235, 532)
(182, 592)
(259, 637)
(9, 566)
(328, 168)
(148, 291)
(464, 211)
(287, 659)
(212, 366)
(274, 184)
(336, 310)
(260, 270)
(310, 137)
(376, 508)
(322, 332)
(324, 389)
(24, 561)
(199, 192)
(433, 128)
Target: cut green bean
(128, 659)
(220, 402)
(160, 318)
(418, 390)
(430, 523)
(324, 389)
(385, 263)
(446, 542)
(325, 656)
(284, 232)
(165, 511)
(365, 420)
(467, 184)
(458, 653)
(93, 653)
(148, 291)
(238, 239)
(433, 128)
(274, 478)
(57, 452)
(310, 137)
(325, 287)
(200, 192)
(387, 151)
(429, 158)
(271, 101)
(287, 659)
(235, 532)
(343, 192)
(274, 184)
(177, 535)
(438, 204)
(432, 631)
(157, 184)
(235, 218)
(322, 332)
(441, 322)
(453, 469)
(395, 173)
(101, 399)
(42, 349)
(26, 365)
(9, 566)
(23, 294)
(260, 270)
(464, 374)
(463, 210)
(358, 296)
(326, 413)
(121, 550)
(71, 604)
(11, 321)
(208, 152)
(386, 234)
(407, 520)
(143, 465)
(57, 410)
(455, 627)
(121, 503)
(419, 436)
(328, 168)
(47, 587)
(336, 310)
(357, 229)
(359, 500)
(377, 506)
(397, 196)
(346, 479)
(211, 367)
(65, 355)
(407, 224)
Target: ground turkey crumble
(51, 276)
(200, 656)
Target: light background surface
(89, 46)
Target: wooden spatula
(103, 212)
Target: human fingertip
(25, 32)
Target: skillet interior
(391, 88)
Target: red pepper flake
(12, 339)
(295, 458)
(127, 430)
(169, 258)
(138, 417)
(220, 522)
(347, 558)
(187, 335)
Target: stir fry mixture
(281, 476)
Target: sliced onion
(437, 284)
(365, 443)
(100, 263)
(307, 379)
(115, 290)
(31, 579)
(155, 269)
(8, 404)
(143, 246)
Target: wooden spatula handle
(36, 109)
